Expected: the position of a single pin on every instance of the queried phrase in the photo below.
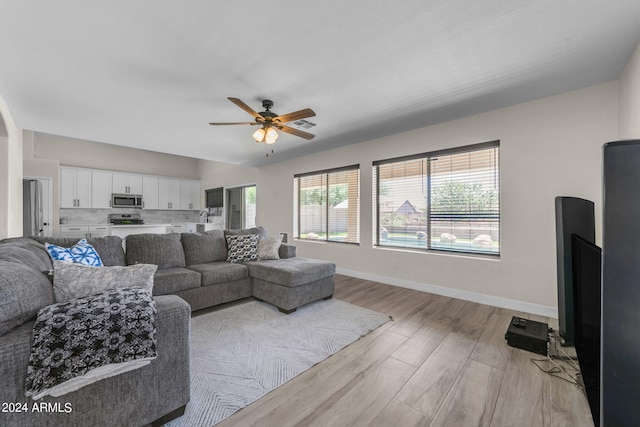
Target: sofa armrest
(137, 397)
(287, 250)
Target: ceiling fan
(270, 121)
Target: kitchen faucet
(206, 215)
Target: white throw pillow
(71, 280)
(268, 248)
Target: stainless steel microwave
(126, 200)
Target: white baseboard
(527, 307)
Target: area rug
(240, 353)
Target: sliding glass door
(241, 207)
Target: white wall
(4, 186)
(218, 174)
(10, 175)
(549, 147)
(89, 154)
(629, 98)
(42, 168)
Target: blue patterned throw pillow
(242, 248)
(80, 253)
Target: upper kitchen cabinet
(189, 194)
(150, 192)
(127, 183)
(75, 187)
(169, 193)
(101, 189)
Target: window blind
(328, 205)
(446, 200)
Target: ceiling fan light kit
(270, 121)
(265, 134)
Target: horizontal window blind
(328, 205)
(440, 201)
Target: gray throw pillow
(268, 248)
(72, 280)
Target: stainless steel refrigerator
(32, 217)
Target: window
(446, 200)
(328, 205)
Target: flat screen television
(214, 197)
(586, 260)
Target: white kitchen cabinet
(127, 183)
(208, 226)
(75, 231)
(123, 231)
(85, 231)
(99, 230)
(168, 193)
(100, 189)
(150, 192)
(189, 194)
(178, 228)
(75, 187)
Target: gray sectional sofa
(191, 266)
(149, 395)
(194, 266)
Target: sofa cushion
(81, 253)
(220, 272)
(291, 271)
(200, 248)
(172, 280)
(163, 250)
(71, 280)
(109, 247)
(26, 251)
(23, 291)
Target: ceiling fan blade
(296, 132)
(234, 123)
(245, 107)
(296, 115)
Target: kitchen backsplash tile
(101, 216)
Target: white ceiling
(152, 74)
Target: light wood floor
(440, 362)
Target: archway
(10, 175)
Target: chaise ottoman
(291, 282)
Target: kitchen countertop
(140, 225)
(83, 224)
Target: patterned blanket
(84, 340)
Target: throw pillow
(242, 248)
(81, 253)
(268, 248)
(76, 280)
(110, 248)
